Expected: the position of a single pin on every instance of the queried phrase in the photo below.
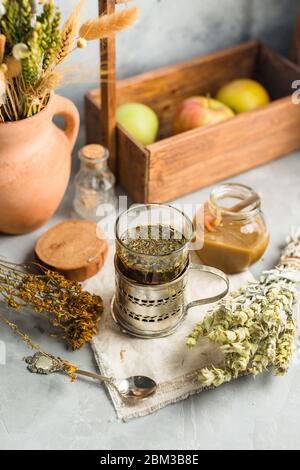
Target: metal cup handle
(215, 298)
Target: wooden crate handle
(295, 51)
(108, 87)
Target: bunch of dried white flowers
(254, 327)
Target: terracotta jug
(35, 166)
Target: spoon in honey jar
(133, 389)
(211, 222)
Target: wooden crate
(177, 165)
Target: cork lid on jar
(93, 153)
(94, 156)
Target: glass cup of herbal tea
(152, 243)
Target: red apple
(199, 111)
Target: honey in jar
(234, 234)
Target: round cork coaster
(76, 248)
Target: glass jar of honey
(234, 233)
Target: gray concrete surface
(169, 31)
(51, 413)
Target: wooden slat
(295, 51)
(202, 157)
(276, 73)
(133, 167)
(108, 87)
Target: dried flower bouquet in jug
(34, 43)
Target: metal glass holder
(155, 311)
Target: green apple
(140, 121)
(243, 95)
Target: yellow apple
(199, 111)
(243, 95)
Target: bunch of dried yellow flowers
(73, 312)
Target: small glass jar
(95, 196)
(232, 240)
(152, 243)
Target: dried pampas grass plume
(2, 88)
(2, 82)
(106, 25)
(69, 34)
(14, 67)
(2, 47)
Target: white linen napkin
(167, 360)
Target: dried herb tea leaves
(152, 254)
(154, 240)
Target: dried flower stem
(12, 101)
(69, 368)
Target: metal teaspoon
(135, 388)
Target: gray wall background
(169, 31)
